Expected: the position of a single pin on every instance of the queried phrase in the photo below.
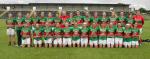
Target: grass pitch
(10, 52)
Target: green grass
(10, 52)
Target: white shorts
(134, 43)
(37, 41)
(103, 42)
(66, 41)
(127, 43)
(84, 41)
(76, 42)
(10, 31)
(48, 41)
(118, 40)
(26, 41)
(58, 41)
(95, 42)
(110, 41)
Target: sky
(138, 3)
(133, 3)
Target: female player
(135, 36)
(130, 20)
(11, 29)
(19, 24)
(111, 35)
(119, 35)
(103, 35)
(76, 35)
(26, 32)
(84, 35)
(127, 36)
(139, 19)
(67, 35)
(94, 28)
(43, 19)
(37, 36)
(104, 18)
(79, 18)
(57, 35)
(122, 19)
(113, 18)
(48, 36)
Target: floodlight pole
(33, 10)
(59, 11)
(7, 10)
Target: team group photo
(74, 29)
(71, 29)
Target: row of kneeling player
(80, 36)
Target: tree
(143, 10)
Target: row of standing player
(86, 28)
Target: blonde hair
(114, 13)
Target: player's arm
(117, 18)
(125, 20)
(142, 20)
(138, 33)
(33, 33)
(108, 19)
(23, 19)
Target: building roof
(61, 1)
